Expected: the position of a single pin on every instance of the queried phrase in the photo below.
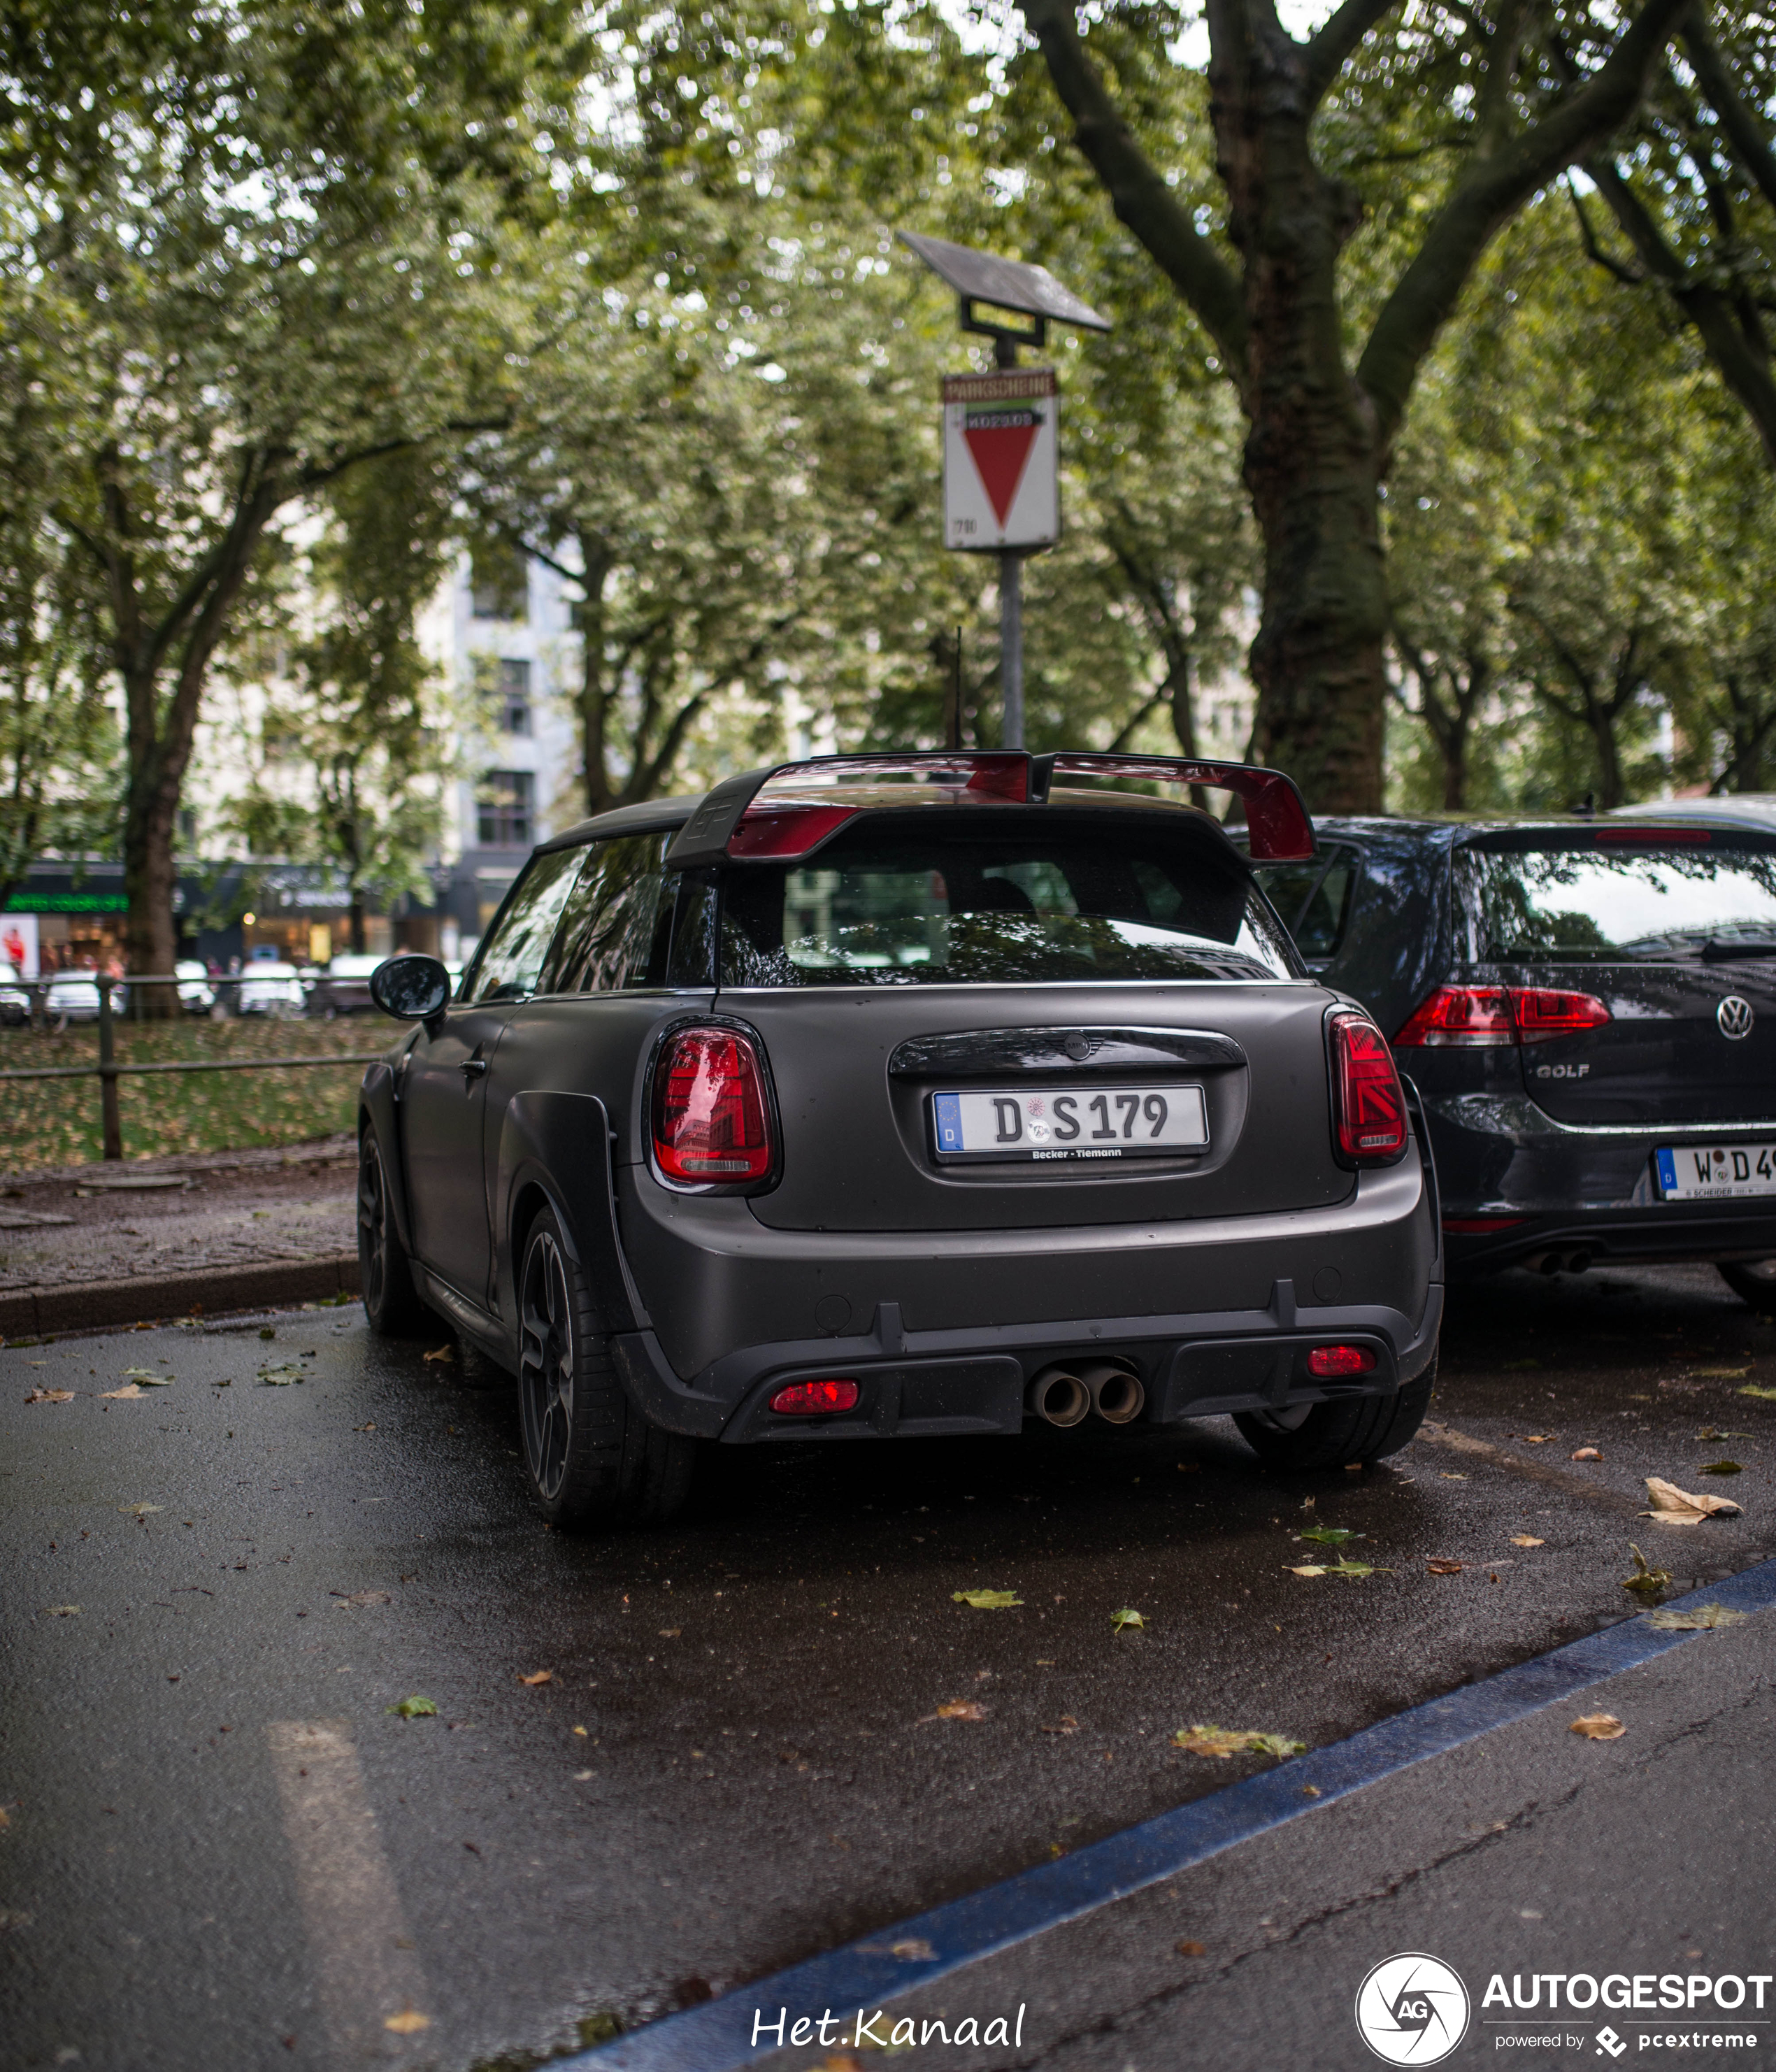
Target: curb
(101, 1306)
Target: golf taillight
(711, 1120)
(1340, 1359)
(1471, 1017)
(814, 1398)
(1368, 1108)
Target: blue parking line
(718, 2036)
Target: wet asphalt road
(222, 1847)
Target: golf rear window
(1692, 896)
(936, 907)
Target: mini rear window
(1699, 897)
(936, 907)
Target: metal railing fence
(108, 1071)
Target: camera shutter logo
(1411, 2009)
(1735, 1017)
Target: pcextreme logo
(1411, 2009)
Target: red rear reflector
(1471, 1017)
(814, 1398)
(711, 1122)
(1340, 1359)
(1480, 1225)
(785, 831)
(1466, 1018)
(1543, 1012)
(1369, 1109)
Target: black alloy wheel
(1340, 1433)
(1753, 1281)
(592, 1458)
(384, 1272)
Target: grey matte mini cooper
(880, 1097)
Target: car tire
(1753, 1281)
(385, 1271)
(1335, 1435)
(592, 1458)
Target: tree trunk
(593, 698)
(150, 878)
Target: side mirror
(412, 988)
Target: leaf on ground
(958, 1708)
(51, 1395)
(1704, 1618)
(149, 1377)
(1719, 1373)
(415, 1708)
(1537, 1438)
(1191, 1949)
(1355, 1571)
(1125, 1617)
(137, 1510)
(1449, 1475)
(445, 1353)
(1526, 1539)
(1645, 1581)
(408, 2022)
(1068, 1725)
(1307, 1568)
(986, 1601)
(61, 1611)
(1598, 1727)
(1587, 1453)
(346, 1601)
(1443, 1567)
(129, 1393)
(1226, 1742)
(538, 1676)
(1708, 1433)
(1672, 1505)
(1751, 1388)
(1721, 1468)
(1331, 1535)
(281, 1375)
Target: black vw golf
(877, 1097)
(1589, 1010)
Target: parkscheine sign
(1002, 460)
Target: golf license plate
(1070, 1125)
(1715, 1172)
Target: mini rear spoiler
(735, 821)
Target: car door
(443, 1091)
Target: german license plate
(1715, 1172)
(1070, 1125)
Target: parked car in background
(268, 987)
(196, 995)
(1589, 1010)
(344, 988)
(73, 995)
(14, 1001)
(887, 1096)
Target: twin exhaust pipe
(1059, 1396)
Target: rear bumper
(1558, 1189)
(943, 1331)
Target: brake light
(786, 831)
(814, 1398)
(1369, 1109)
(711, 1121)
(1472, 1018)
(1340, 1359)
(1543, 1012)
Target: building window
(499, 584)
(514, 697)
(505, 806)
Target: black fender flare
(377, 1104)
(561, 1144)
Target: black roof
(650, 816)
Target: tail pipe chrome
(1117, 1395)
(1058, 1398)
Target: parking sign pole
(1011, 647)
(110, 1121)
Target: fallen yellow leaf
(408, 2022)
(960, 1708)
(1526, 1539)
(1672, 1505)
(443, 1353)
(55, 1395)
(1598, 1727)
(1588, 1453)
(127, 1394)
(538, 1676)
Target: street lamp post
(1000, 465)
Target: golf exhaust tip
(1117, 1395)
(1059, 1398)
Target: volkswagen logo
(1735, 1017)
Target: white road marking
(364, 1965)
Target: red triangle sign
(1000, 441)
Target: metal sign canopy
(1003, 284)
